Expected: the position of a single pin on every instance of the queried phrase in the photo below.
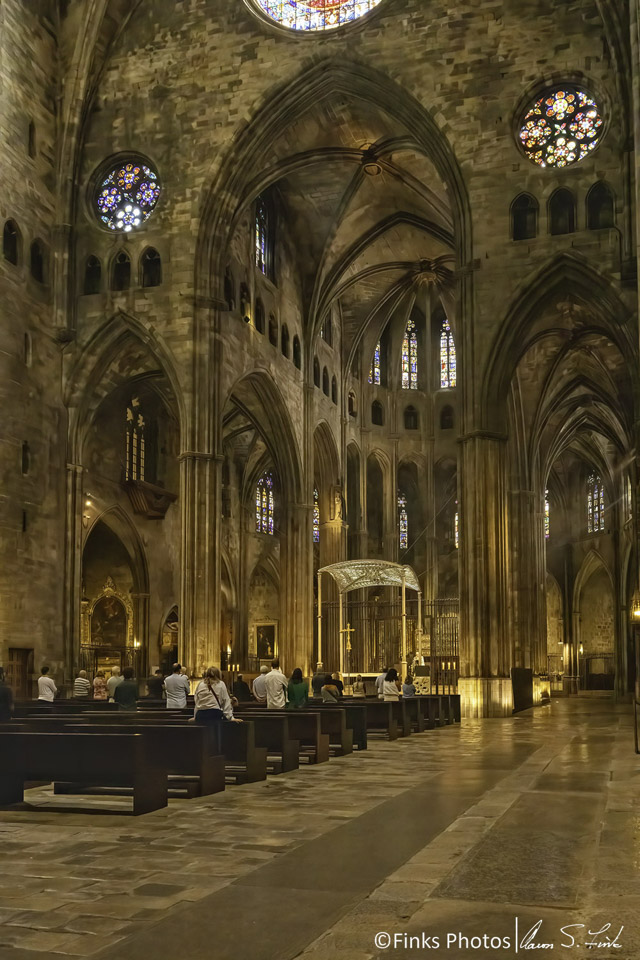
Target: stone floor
(459, 832)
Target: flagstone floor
(459, 832)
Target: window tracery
(374, 372)
(447, 356)
(595, 504)
(135, 427)
(403, 522)
(562, 127)
(127, 196)
(316, 515)
(264, 505)
(410, 357)
(315, 14)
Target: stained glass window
(134, 457)
(456, 530)
(410, 357)
(595, 504)
(316, 516)
(127, 196)
(403, 522)
(315, 14)
(374, 372)
(561, 128)
(262, 235)
(547, 515)
(447, 356)
(264, 505)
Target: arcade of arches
(337, 311)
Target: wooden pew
(99, 759)
(382, 718)
(272, 732)
(244, 761)
(27, 708)
(304, 726)
(454, 699)
(192, 753)
(335, 723)
(415, 714)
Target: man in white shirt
(276, 685)
(178, 687)
(46, 687)
(380, 683)
(114, 681)
(258, 687)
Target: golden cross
(348, 630)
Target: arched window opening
(327, 331)
(25, 460)
(151, 268)
(600, 208)
(403, 522)
(28, 350)
(284, 341)
(524, 217)
(377, 413)
(316, 515)
(264, 505)
(448, 369)
(245, 303)
(259, 316)
(353, 409)
(297, 354)
(595, 504)
(273, 330)
(92, 276)
(547, 515)
(316, 372)
(229, 289)
(446, 418)
(325, 382)
(410, 357)
(134, 441)
(31, 139)
(121, 272)
(562, 212)
(411, 419)
(38, 261)
(263, 237)
(11, 242)
(374, 372)
(334, 390)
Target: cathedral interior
(291, 284)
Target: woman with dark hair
(212, 700)
(391, 686)
(297, 691)
(408, 687)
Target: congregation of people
(212, 699)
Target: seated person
(241, 690)
(329, 692)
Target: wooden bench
(381, 718)
(98, 759)
(272, 732)
(27, 708)
(415, 714)
(335, 723)
(245, 762)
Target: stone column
(200, 489)
(485, 659)
(296, 589)
(73, 569)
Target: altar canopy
(356, 574)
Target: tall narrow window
(273, 330)
(562, 212)
(121, 271)
(11, 242)
(456, 530)
(410, 357)
(316, 515)
(325, 382)
(151, 264)
(38, 265)
(258, 316)
(284, 340)
(326, 331)
(92, 276)
(524, 217)
(600, 209)
(229, 289)
(447, 356)
(374, 372)
(547, 515)
(403, 522)
(595, 504)
(262, 239)
(25, 459)
(31, 139)
(134, 469)
(264, 505)
(297, 355)
(334, 390)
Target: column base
(485, 697)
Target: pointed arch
(123, 527)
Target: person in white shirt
(258, 688)
(114, 681)
(178, 688)
(379, 682)
(81, 685)
(212, 702)
(46, 687)
(391, 686)
(276, 686)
